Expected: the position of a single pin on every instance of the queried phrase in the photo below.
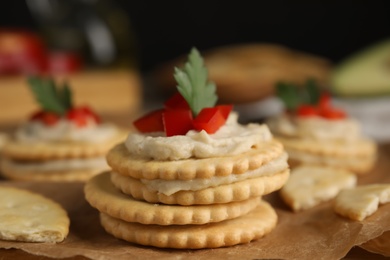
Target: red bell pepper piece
(225, 110)
(209, 119)
(151, 122)
(177, 122)
(325, 101)
(176, 102)
(307, 110)
(333, 113)
(48, 118)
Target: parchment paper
(318, 233)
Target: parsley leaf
(193, 83)
(50, 97)
(293, 95)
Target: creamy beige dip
(62, 165)
(231, 139)
(64, 130)
(315, 128)
(172, 186)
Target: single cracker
(59, 150)
(101, 194)
(309, 186)
(30, 217)
(244, 229)
(12, 173)
(142, 168)
(238, 191)
(362, 201)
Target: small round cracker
(357, 164)
(244, 229)
(10, 172)
(238, 191)
(123, 162)
(59, 150)
(101, 194)
(30, 217)
(359, 148)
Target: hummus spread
(62, 165)
(172, 186)
(65, 131)
(231, 139)
(315, 128)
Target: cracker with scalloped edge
(30, 217)
(40, 151)
(362, 201)
(309, 186)
(254, 225)
(237, 191)
(358, 165)
(143, 168)
(359, 148)
(102, 195)
(13, 173)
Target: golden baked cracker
(357, 164)
(308, 186)
(59, 150)
(244, 229)
(101, 194)
(359, 148)
(30, 217)
(238, 191)
(361, 201)
(142, 168)
(10, 172)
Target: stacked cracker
(60, 142)
(215, 216)
(316, 133)
(190, 188)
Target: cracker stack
(26, 161)
(209, 217)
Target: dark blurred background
(147, 33)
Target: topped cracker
(362, 201)
(308, 186)
(30, 217)
(59, 150)
(124, 163)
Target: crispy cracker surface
(142, 168)
(101, 194)
(221, 194)
(30, 217)
(244, 229)
(308, 186)
(12, 173)
(361, 201)
(59, 150)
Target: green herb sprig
(193, 83)
(293, 95)
(51, 97)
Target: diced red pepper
(151, 122)
(333, 113)
(78, 116)
(209, 119)
(48, 118)
(325, 101)
(225, 110)
(307, 110)
(87, 110)
(177, 122)
(177, 101)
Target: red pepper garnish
(323, 109)
(176, 118)
(48, 118)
